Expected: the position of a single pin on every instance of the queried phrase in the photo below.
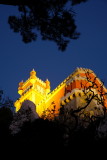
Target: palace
(73, 92)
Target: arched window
(79, 94)
(74, 95)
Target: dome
(33, 73)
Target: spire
(47, 83)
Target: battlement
(41, 82)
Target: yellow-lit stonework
(69, 91)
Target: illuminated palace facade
(70, 91)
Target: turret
(20, 89)
(47, 85)
(32, 76)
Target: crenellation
(41, 82)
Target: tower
(34, 89)
(85, 90)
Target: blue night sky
(89, 51)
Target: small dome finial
(21, 83)
(33, 73)
(47, 83)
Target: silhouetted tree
(6, 117)
(26, 113)
(6, 114)
(6, 101)
(54, 19)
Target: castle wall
(69, 93)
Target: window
(74, 95)
(79, 94)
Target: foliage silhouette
(54, 19)
(6, 116)
(49, 136)
(6, 101)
